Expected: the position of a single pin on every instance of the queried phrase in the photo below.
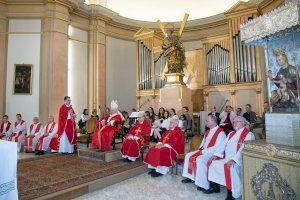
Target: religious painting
(284, 71)
(22, 79)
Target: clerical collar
(68, 105)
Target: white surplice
(201, 172)
(51, 134)
(36, 134)
(229, 149)
(19, 128)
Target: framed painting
(23, 79)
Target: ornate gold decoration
(270, 174)
(271, 150)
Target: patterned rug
(47, 174)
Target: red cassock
(103, 135)
(132, 147)
(65, 125)
(165, 156)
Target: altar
(8, 170)
(271, 167)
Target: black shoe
(200, 189)
(124, 159)
(187, 180)
(151, 171)
(37, 153)
(156, 174)
(42, 152)
(229, 195)
(211, 190)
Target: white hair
(175, 119)
(242, 119)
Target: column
(54, 59)
(96, 70)
(3, 56)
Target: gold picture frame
(23, 79)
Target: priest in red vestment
(5, 128)
(138, 135)
(160, 157)
(226, 164)
(106, 128)
(33, 135)
(66, 134)
(195, 162)
(19, 132)
(227, 117)
(49, 132)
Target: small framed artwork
(23, 79)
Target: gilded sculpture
(172, 47)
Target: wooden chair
(90, 128)
(194, 145)
(120, 133)
(146, 146)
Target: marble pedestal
(283, 128)
(175, 96)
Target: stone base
(283, 128)
(92, 154)
(175, 96)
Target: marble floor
(168, 187)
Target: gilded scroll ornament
(270, 175)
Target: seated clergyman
(225, 164)
(19, 132)
(33, 135)
(5, 128)
(138, 135)
(49, 131)
(195, 163)
(160, 157)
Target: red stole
(226, 167)
(66, 125)
(37, 128)
(7, 127)
(16, 124)
(192, 161)
(51, 128)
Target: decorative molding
(272, 150)
(270, 174)
(279, 19)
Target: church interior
(114, 99)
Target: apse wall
(24, 40)
(121, 72)
(78, 69)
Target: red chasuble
(103, 135)
(65, 125)
(132, 147)
(165, 156)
